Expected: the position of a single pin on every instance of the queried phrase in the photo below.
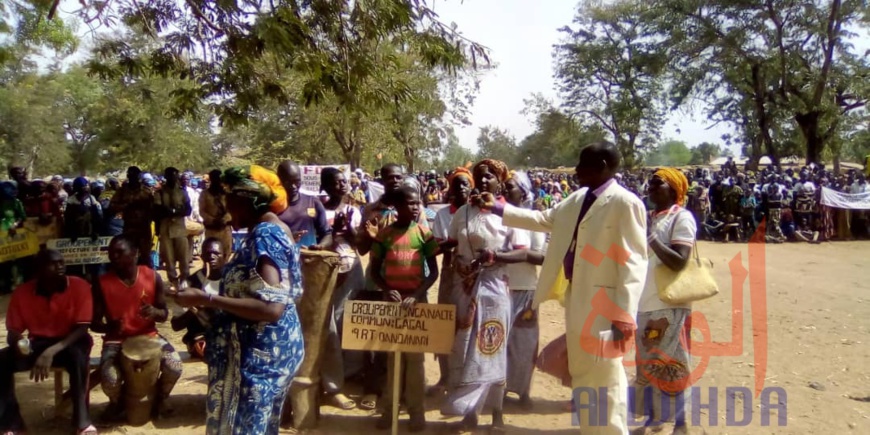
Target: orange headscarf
(677, 181)
(461, 172)
(497, 167)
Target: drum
(140, 365)
(319, 274)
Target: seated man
(56, 311)
(133, 299)
(713, 227)
(805, 233)
(209, 280)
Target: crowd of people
(598, 228)
(729, 204)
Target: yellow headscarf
(677, 181)
(258, 183)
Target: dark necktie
(568, 263)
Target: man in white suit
(597, 256)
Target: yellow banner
(23, 244)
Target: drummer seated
(195, 321)
(55, 310)
(133, 300)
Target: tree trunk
(356, 154)
(31, 161)
(809, 125)
(752, 162)
(409, 158)
(762, 116)
(627, 152)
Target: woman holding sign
(478, 363)
(254, 346)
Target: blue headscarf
(523, 182)
(8, 190)
(79, 184)
(148, 180)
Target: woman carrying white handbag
(663, 360)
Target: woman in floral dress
(255, 344)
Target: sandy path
(818, 315)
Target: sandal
(90, 430)
(460, 428)
(369, 401)
(341, 401)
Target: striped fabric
(404, 251)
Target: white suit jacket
(611, 248)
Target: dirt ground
(818, 317)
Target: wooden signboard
(386, 326)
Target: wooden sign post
(387, 327)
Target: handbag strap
(674, 224)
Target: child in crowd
(398, 257)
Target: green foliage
(450, 155)
(609, 72)
(71, 123)
(495, 143)
(25, 26)
(557, 138)
(704, 153)
(670, 153)
(31, 130)
(343, 51)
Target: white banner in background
(376, 191)
(311, 177)
(851, 201)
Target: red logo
(706, 348)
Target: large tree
(608, 70)
(769, 63)
(346, 53)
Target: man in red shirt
(55, 310)
(133, 300)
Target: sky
(520, 35)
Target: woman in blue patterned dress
(254, 345)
